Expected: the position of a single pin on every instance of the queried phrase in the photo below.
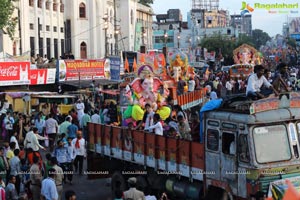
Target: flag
(155, 63)
(134, 65)
(126, 65)
(291, 193)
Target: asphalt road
(85, 189)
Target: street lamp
(178, 41)
(166, 38)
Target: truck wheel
(118, 182)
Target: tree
(259, 38)
(146, 2)
(7, 22)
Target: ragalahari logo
(246, 8)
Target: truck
(246, 148)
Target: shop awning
(86, 83)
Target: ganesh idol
(146, 89)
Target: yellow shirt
(9, 154)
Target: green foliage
(7, 22)
(146, 2)
(226, 44)
(259, 38)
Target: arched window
(40, 4)
(82, 13)
(31, 3)
(83, 53)
(131, 17)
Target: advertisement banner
(14, 73)
(42, 76)
(115, 63)
(80, 69)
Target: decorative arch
(83, 50)
(82, 10)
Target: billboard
(14, 73)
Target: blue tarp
(210, 105)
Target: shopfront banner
(115, 63)
(14, 73)
(80, 69)
(42, 76)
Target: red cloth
(77, 145)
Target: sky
(261, 18)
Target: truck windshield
(271, 144)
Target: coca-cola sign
(14, 73)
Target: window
(47, 5)
(62, 8)
(31, 3)
(243, 149)
(83, 53)
(40, 27)
(228, 143)
(54, 29)
(131, 17)
(31, 27)
(15, 48)
(82, 13)
(265, 142)
(47, 28)
(61, 29)
(39, 3)
(213, 140)
(54, 6)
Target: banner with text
(42, 76)
(14, 73)
(80, 69)
(115, 63)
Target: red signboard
(14, 73)
(42, 76)
(81, 69)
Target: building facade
(242, 23)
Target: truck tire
(118, 182)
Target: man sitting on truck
(256, 81)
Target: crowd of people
(23, 172)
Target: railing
(191, 99)
(147, 149)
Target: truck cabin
(254, 141)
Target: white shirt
(49, 190)
(80, 110)
(96, 119)
(191, 86)
(158, 129)
(254, 83)
(228, 85)
(149, 120)
(149, 197)
(81, 151)
(51, 126)
(31, 141)
(14, 139)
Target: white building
(42, 27)
(86, 28)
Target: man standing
(15, 169)
(96, 117)
(51, 129)
(35, 179)
(49, 191)
(133, 193)
(59, 176)
(31, 140)
(10, 190)
(63, 128)
(83, 123)
(72, 130)
(61, 153)
(69, 166)
(80, 151)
